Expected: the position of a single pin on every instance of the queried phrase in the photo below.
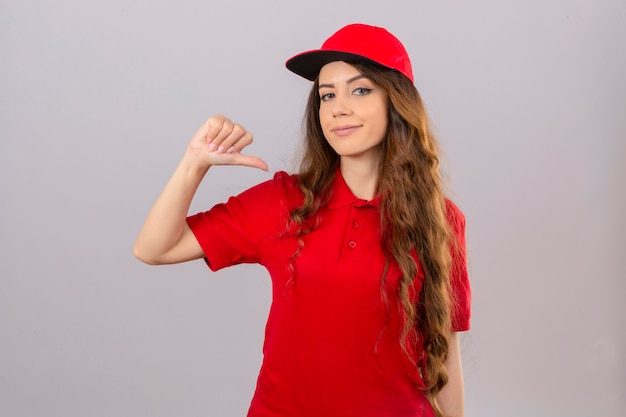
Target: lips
(345, 130)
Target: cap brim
(308, 64)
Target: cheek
(324, 119)
(323, 115)
(382, 121)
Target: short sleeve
(231, 233)
(459, 279)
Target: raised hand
(219, 141)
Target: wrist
(194, 165)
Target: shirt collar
(341, 195)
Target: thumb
(251, 161)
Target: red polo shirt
(331, 342)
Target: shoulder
(455, 216)
(287, 183)
(282, 189)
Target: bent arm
(451, 397)
(165, 237)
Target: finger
(214, 126)
(236, 141)
(225, 131)
(250, 161)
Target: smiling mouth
(345, 130)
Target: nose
(341, 106)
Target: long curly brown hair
(413, 215)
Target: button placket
(354, 233)
(353, 244)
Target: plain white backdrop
(98, 100)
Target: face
(353, 112)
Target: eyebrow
(356, 77)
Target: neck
(361, 177)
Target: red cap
(355, 42)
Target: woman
(366, 255)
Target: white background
(98, 100)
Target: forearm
(165, 237)
(166, 221)
(451, 397)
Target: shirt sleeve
(459, 279)
(231, 233)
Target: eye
(362, 91)
(326, 96)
